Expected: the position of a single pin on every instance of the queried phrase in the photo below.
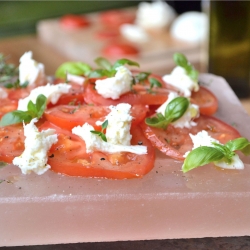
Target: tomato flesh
(175, 142)
(68, 116)
(71, 21)
(68, 156)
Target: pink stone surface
(165, 204)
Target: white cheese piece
(52, 92)
(95, 143)
(119, 123)
(34, 158)
(155, 15)
(190, 26)
(134, 33)
(117, 133)
(76, 79)
(203, 139)
(3, 93)
(30, 70)
(186, 121)
(114, 87)
(179, 79)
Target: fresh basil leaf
(103, 63)
(241, 144)
(180, 60)
(103, 137)
(41, 104)
(31, 107)
(154, 83)
(100, 73)
(8, 85)
(105, 124)
(201, 156)
(157, 123)
(24, 85)
(15, 117)
(141, 77)
(122, 62)
(95, 132)
(74, 68)
(176, 108)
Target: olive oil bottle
(229, 44)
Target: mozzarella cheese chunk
(119, 123)
(30, 70)
(134, 33)
(191, 26)
(179, 79)
(34, 158)
(3, 93)
(155, 15)
(186, 121)
(52, 92)
(76, 79)
(203, 139)
(117, 133)
(94, 142)
(114, 87)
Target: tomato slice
(140, 96)
(206, 100)
(11, 142)
(117, 50)
(7, 106)
(115, 18)
(68, 156)
(175, 142)
(107, 34)
(68, 116)
(16, 94)
(71, 21)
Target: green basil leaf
(24, 85)
(103, 63)
(124, 61)
(141, 77)
(99, 73)
(154, 83)
(176, 108)
(103, 137)
(105, 124)
(41, 104)
(31, 107)
(241, 144)
(74, 68)
(15, 117)
(95, 132)
(201, 156)
(180, 60)
(155, 122)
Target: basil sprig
(16, 85)
(33, 110)
(8, 71)
(174, 110)
(100, 133)
(107, 69)
(181, 60)
(74, 68)
(203, 155)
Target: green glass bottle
(229, 44)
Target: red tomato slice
(11, 142)
(175, 142)
(107, 34)
(71, 21)
(68, 156)
(115, 18)
(16, 94)
(117, 50)
(7, 105)
(206, 100)
(139, 97)
(68, 117)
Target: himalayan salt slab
(166, 203)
